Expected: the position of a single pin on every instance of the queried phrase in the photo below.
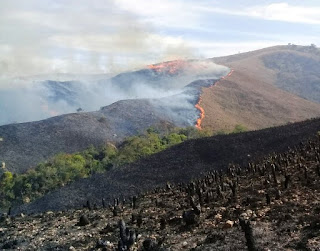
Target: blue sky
(103, 36)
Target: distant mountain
(165, 93)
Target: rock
(222, 209)
(249, 212)
(71, 248)
(247, 215)
(228, 224)
(184, 244)
(218, 217)
(110, 245)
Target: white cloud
(216, 49)
(78, 36)
(287, 13)
(188, 13)
(102, 35)
(165, 13)
(275, 11)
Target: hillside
(263, 90)
(250, 96)
(24, 145)
(270, 204)
(180, 163)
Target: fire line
(200, 108)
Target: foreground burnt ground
(270, 204)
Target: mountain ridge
(248, 97)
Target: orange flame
(171, 67)
(200, 108)
(199, 120)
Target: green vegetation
(239, 128)
(65, 168)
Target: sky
(108, 36)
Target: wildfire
(200, 108)
(177, 66)
(199, 120)
(229, 74)
(172, 67)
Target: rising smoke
(51, 38)
(42, 99)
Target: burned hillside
(270, 204)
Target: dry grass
(249, 96)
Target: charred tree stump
(247, 229)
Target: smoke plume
(35, 100)
(78, 45)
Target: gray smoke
(30, 100)
(79, 36)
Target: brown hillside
(250, 96)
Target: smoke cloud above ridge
(38, 100)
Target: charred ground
(180, 163)
(269, 204)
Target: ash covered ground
(267, 204)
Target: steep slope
(25, 145)
(249, 96)
(171, 90)
(177, 164)
(253, 94)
